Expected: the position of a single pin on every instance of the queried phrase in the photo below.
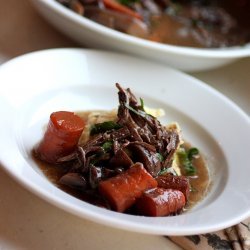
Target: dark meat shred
(74, 180)
(139, 138)
(146, 130)
(180, 183)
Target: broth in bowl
(202, 24)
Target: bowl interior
(84, 80)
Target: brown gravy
(199, 184)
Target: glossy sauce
(199, 183)
(55, 172)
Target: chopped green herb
(192, 152)
(167, 171)
(193, 189)
(138, 112)
(98, 157)
(194, 22)
(160, 157)
(186, 162)
(142, 103)
(103, 127)
(128, 2)
(107, 146)
(174, 9)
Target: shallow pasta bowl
(34, 85)
(94, 35)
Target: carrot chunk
(114, 5)
(160, 202)
(61, 137)
(122, 190)
(180, 183)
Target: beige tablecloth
(232, 238)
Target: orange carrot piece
(160, 202)
(114, 5)
(122, 190)
(61, 137)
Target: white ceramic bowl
(94, 35)
(37, 84)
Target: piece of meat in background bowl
(198, 36)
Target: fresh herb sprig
(107, 146)
(103, 127)
(128, 2)
(168, 171)
(186, 158)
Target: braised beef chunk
(152, 139)
(74, 180)
(180, 183)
